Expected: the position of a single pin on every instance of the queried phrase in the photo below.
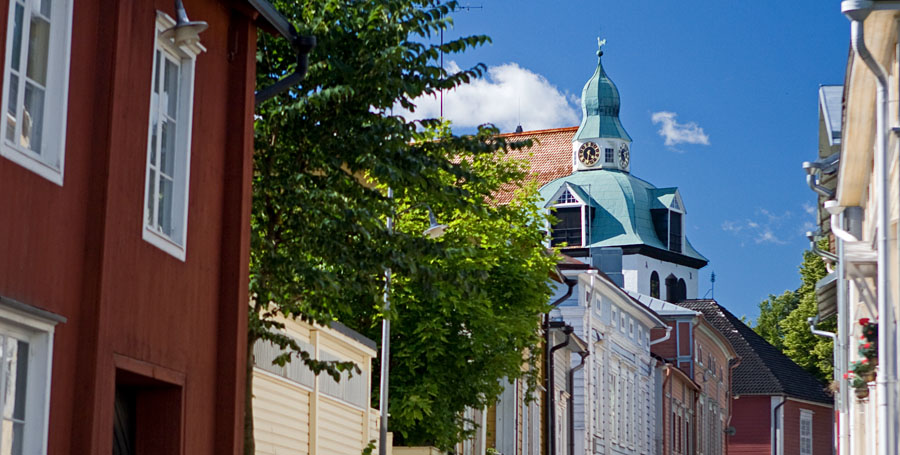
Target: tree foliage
(783, 321)
(464, 307)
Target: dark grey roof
(341, 328)
(763, 370)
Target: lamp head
(185, 31)
(435, 230)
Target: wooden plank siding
(295, 413)
(280, 416)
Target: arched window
(682, 290)
(654, 285)
(671, 291)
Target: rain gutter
(302, 46)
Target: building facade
(298, 412)
(696, 406)
(855, 176)
(614, 392)
(126, 156)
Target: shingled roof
(763, 370)
(549, 157)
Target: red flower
(867, 345)
(864, 361)
(846, 375)
(863, 321)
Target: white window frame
(806, 417)
(56, 91)
(186, 56)
(26, 324)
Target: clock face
(623, 156)
(589, 153)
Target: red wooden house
(125, 161)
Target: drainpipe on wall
(778, 428)
(548, 361)
(302, 46)
(857, 11)
(567, 330)
(665, 337)
(571, 406)
(665, 410)
(731, 368)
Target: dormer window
(569, 210)
(669, 228)
(566, 198)
(568, 229)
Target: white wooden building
(614, 409)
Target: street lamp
(434, 231)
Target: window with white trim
(25, 362)
(169, 141)
(35, 85)
(806, 443)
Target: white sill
(164, 243)
(31, 161)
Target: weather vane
(600, 44)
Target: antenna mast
(441, 90)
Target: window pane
(44, 7)
(11, 108)
(17, 37)
(38, 48)
(33, 117)
(156, 75)
(151, 193)
(153, 141)
(164, 212)
(15, 359)
(171, 88)
(167, 150)
(13, 435)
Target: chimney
(609, 261)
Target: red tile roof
(549, 157)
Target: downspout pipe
(302, 46)
(548, 361)
(567, 330)
(666, 410)
(857, 11)
(812, 328)
(664, 338)
(775, 422)
(571, 406)
(737, 361)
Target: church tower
(606, 216)
(600, 142)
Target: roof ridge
(544, 131)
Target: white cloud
(507, 96)
(809, 208)
(678, 133)
(766, 227)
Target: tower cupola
(600, 142)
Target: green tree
(464, 307)
(783, 321)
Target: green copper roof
(622, 208)
(600, 107)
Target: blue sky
(743, 74)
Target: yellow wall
(293, 416)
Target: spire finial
(600, 44)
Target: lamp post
(434, 231)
